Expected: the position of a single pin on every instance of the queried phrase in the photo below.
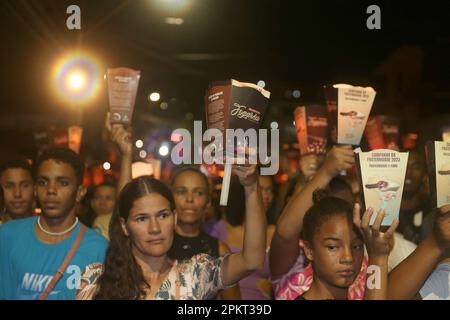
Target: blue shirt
(437, 286)
(27, 265)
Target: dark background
(288, 44)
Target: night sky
(288, 44)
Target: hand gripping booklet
(438, 163)
(311, 123)
(381, 174)
(348, 109)
(234, 105)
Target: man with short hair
(33, 249)
(16, 180)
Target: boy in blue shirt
(32, 249)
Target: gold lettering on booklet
(241, 112)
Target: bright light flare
(76, 78)
(164, 150)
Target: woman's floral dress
(198, 278)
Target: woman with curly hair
(142, 229)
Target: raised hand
(309, 164)
(378, 248)
(119, 135)
(377, 242)
(122, 137)
(247, 174)
(243, 167)
(339, 158)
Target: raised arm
(284, 248)
(233, 293)
(251, 258)
(122, 137)
(377, 244)
(409, 276)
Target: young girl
(334, 244)
(285, 253)
(142, 231)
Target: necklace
(55, 234)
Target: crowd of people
(144, 238)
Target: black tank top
(187, 247)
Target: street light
(142, 154)
(296, 94)
(139, 143)
(75, 78)
(163, 150)
(174, 21)
(154, 96)
(76, 81)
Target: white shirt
(401, 250)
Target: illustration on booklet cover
(349, 109)
(382, 176)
